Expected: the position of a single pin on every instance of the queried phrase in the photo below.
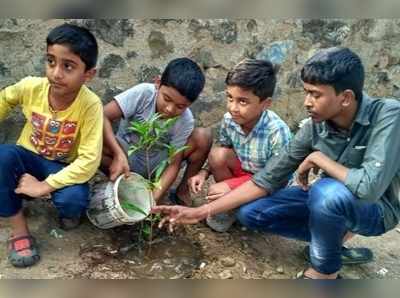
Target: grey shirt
(370, 150)
(138, 104)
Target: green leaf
(160, 169)
(157, 185)
(156, 217)
(132, 149)
(139, 127)
(178, 150)
(132, 207)
(172, 150)
(170, 122)
(146, 230)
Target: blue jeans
(70, 201)
(322, 216)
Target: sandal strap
(302, 275)
(27, 239)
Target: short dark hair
(78, 39)
(257, 76)
(185, 76)
(338, 67)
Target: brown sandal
(302, 275)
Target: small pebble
(202, 236)
(226, 274)
(266, 274)
(398, 230)
(280, 270)
(167, 261)
(202, 265)
(55, 234)
(228, 262)
(382, 272)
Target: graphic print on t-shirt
(52, 138)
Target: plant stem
(149, 177)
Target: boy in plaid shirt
(250, 134)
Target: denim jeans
(70, 201)
(322, 216)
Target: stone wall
(133, 51)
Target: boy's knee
(218, 156)
(245, 215)
(72, 201)
(199, 144)
(202, 137)
(8, 155)
(329, 195)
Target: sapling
(151, 135)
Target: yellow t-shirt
(73, 136)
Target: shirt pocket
(355, 156)
(258, 155)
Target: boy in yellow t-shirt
(59, 148)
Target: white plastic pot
(105, 209)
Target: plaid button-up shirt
(268, 138)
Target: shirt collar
(260, 123)
(362, 116)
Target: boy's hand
(118, 166)
(30, 186)
(197, 181)
(217, 190)
(303, 172)
(175, 215)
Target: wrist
(120, 154)
(204, 211)
(204, 172)
(46, 188)
(315, 157)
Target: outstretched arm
(175, 215)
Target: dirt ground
(194, 252)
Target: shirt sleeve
(182, 130)
(129, 101)
(223, 137)
(278, 168)
(372, 178)
(279, 139)
(10, 97)
(89, 151)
